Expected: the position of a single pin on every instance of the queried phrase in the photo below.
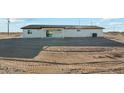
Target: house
(61, 31)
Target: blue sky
(111, 24)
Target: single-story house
(61, 31)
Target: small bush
(117, 55)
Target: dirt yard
(4, 35)
(62, 56)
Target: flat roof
(61, 26)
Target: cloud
(117, 23)
(16, 20)
(107, 19)
(12, 20)
(2, 20)
(103, 21)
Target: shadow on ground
(29, 48)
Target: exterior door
(48, 33)
(94, 35)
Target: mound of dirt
(75, 49)
(79, 54)
(117, 36)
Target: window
(59, 30)
(78, 30)
(29, 32)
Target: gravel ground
(57, 56)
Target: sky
(110, 24)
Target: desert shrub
(117, 55)
(101, 56)
(122, 33)
(109, 56)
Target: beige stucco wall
(36, 33)
(41, 33)
(57, 34)
(83, 33)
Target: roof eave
(65, 27)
